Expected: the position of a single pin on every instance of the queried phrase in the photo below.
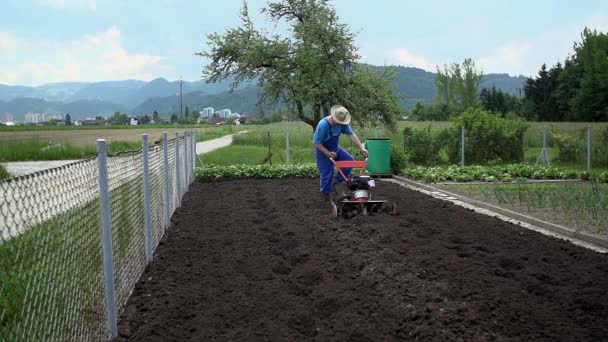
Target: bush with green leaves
(500, 173)
(569, 149)
(398, 161)
(489, 139)
(422, 146)
(600, 149)
(226, 172)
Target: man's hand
(332, 155)
(365, 153)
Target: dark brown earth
(258, 260)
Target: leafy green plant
(489, 139)
(569, 149)
(501, 173)
(398, 161)
(422, 146)
(222, 172)
(3, 172)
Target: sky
(46, 41)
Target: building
(7, 117)
(133, 121)
(225, 113)
(207, 112)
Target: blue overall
(329, 136)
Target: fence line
(63, 231)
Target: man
(326, 140)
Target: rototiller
(357, 199)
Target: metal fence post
(287, 152)
(462, 134)
(106, 225)
(589, 145)
(194, 153)
(545, 154)
(178, 200)
(188, 169)
(269, 150)
(147, 199)
(186, 161)
(166, 176)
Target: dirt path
(17, 169)
(262, 261)
(214, 144)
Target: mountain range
(81, 99)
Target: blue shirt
(329, 135)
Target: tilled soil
(261, 260)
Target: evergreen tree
(68, 119)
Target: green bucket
(379, 160)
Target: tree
(540, 93)
(144, 120)
(119, 119)
(156, 117)
(591, 100)
(187, 112)
(458, 85)
(468, 85)
(68, 119)
(173, 118)
(309, 70)
(495, 100)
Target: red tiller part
(349, 164)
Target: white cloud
(90, 58)
(405, 57)
(525, 57)
(90, 5)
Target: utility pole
(181, 113)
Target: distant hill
(240, 101)
(139, 97)
(78, 109)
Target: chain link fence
(68, 260)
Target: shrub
(398, 161)
(569, 149)
(220, 172)
(421, 146)
(489, 139)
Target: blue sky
(44, 41)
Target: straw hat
(340, 114)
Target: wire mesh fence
(53, 274)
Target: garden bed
(262, 260)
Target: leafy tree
(495, 100)
(309, 70)
(173, 118)
(468, 87)
(119, 119)
(591, 101)
(144, 120)
(68, 119)
(458, 85)
(156, 117)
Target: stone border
(593, 242)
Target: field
(263, 260)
